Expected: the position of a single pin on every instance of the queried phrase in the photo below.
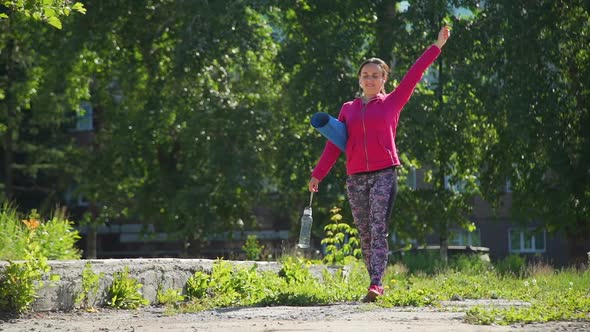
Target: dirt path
(337, 318)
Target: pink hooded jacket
(371, 128)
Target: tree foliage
(535, 85)
(185, 112)
(201, 109)
(50, 11)
(35, 112)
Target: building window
(461, 237)
(526, 240)
(84, 121)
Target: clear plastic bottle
(305, 233)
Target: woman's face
(371, 79)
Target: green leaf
(54, 21)
(79, 7)
(3, 15)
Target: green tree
(535, 76)
(185, 111)
(451, 149)
(34, 114)
(324, 44)
(50, 11)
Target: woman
(371, 155)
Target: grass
(552, 294)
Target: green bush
(21, 280)
(124, 292)
(341, 240)
(512, 265)
(12, 234)
(294, 271)
(197, 285)
(90, 284)
(169, 296)
(18, 287)
(469, 264)
(425, 261)
(227, 285)
(56, 237)
(252, 248)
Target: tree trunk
(385, 30)
(91, 242)
(92, 234)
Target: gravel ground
(337, 318)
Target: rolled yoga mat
(331, 128)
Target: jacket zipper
(365, 134)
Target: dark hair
(384, 67)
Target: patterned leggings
(371, 196)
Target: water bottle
(306, 222)
(305, 233)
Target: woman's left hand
(443, 35)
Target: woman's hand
(443, 35)
(313, 185)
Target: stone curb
(151, 273)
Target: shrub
(513, 265)
(341, 239)
(169, 296)
(90, 283)
(20, 281)
(197, 285)
(472, 264)
(124, 292)
(294, 271)
(56, 237)
(252, 248)
(13, 234)
(426, 261)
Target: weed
(252, 248)
(341, 239)
(427, 261)
(293, 285)
(170, 296)
(469, 264)
(557, 295)
(293, 271)
(512, 265)
(197, 285)
(21, 280)
(58, 237)
(13, 234)
(124, 292)
(90, 284)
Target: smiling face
(371, 79)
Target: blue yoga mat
(331, 128)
